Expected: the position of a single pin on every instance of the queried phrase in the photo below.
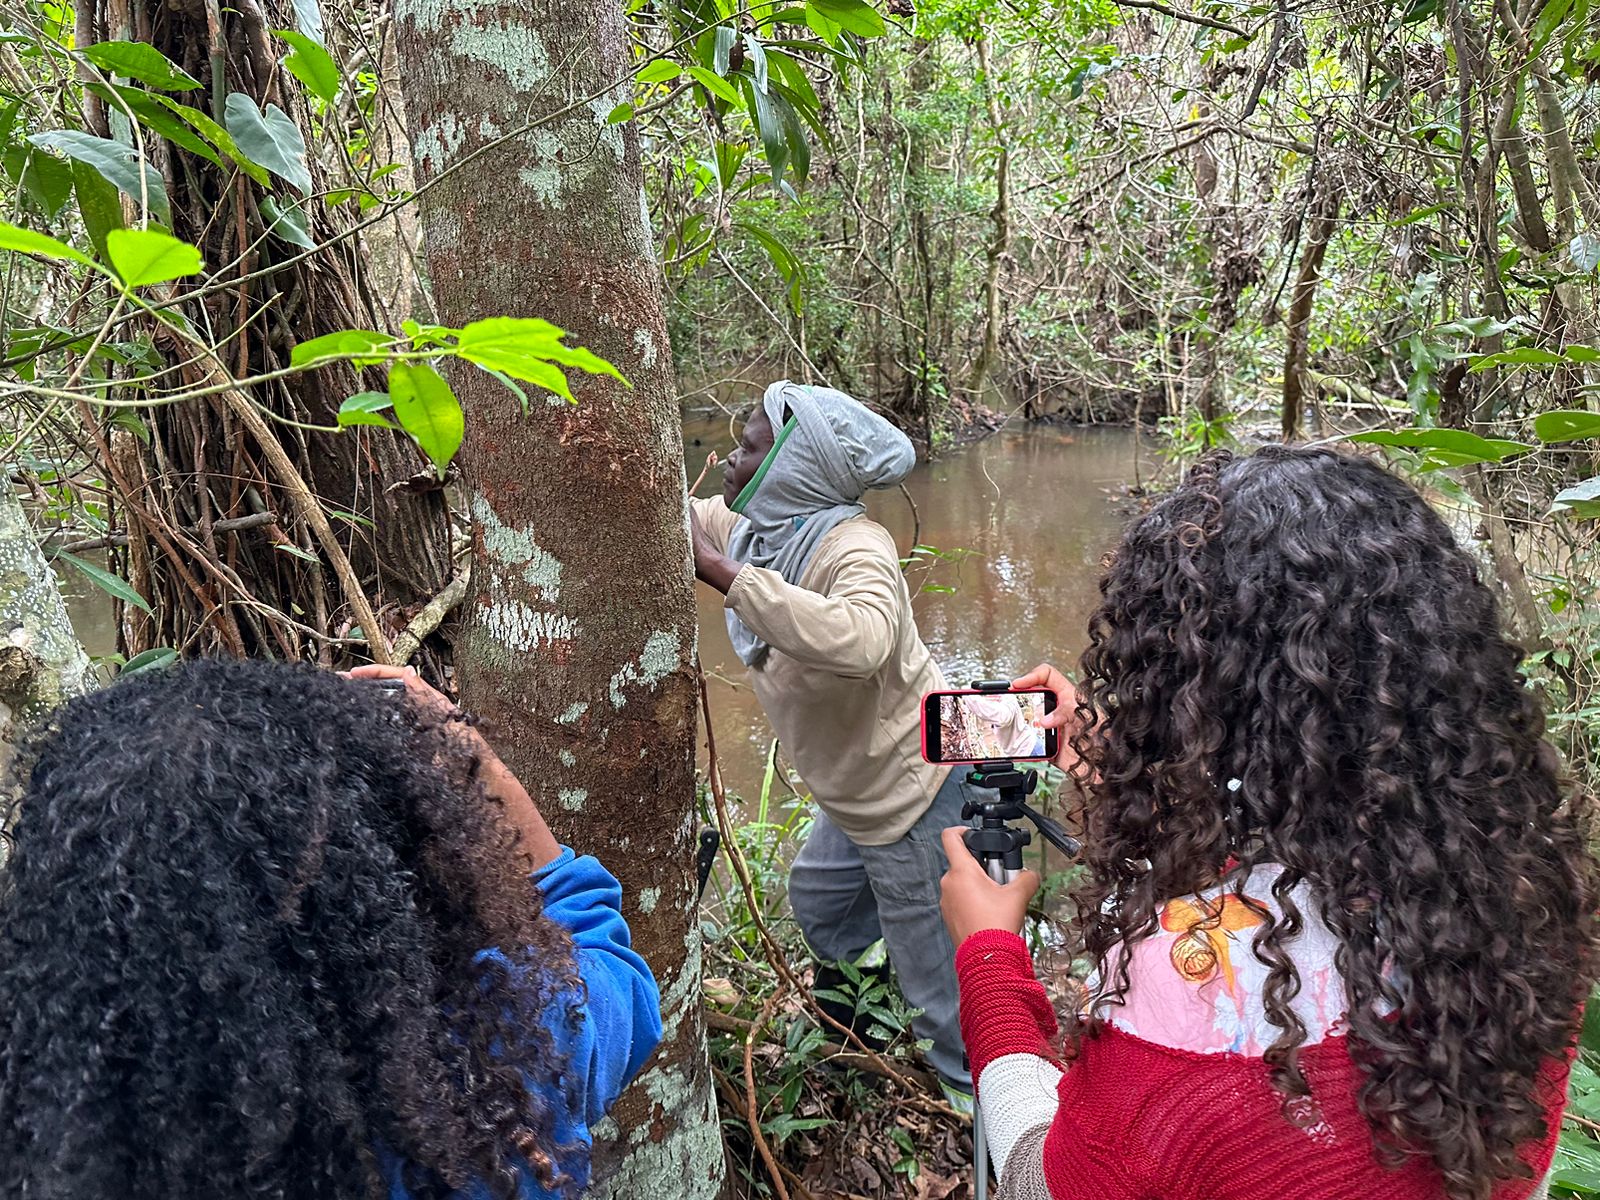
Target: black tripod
(998, 846)
(994, 843)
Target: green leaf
(715, 84)
(659, 71)
(151, 660)
(619, 114)
(311, 65)
(119, 164)
(308, 15)
(271, 138)
(353, 518)
(855, 15)
(98, 204)
(286, 548)
(14, 237)
(757, 57)
(1522, 356)
(145, 256)
(141, 61)
(524, 348)
(150, 111)
(1581, 500)
(46, 179)
(770, 124)
(287, 223)
(216, 135)
(428, 410)
(1566, 425)
(364, 346)
(106, 581)
(366, 408)
(1446, 447)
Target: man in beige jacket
(818, 609)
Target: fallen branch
(829, 1051)
(429, 618)
(229, 525)
(752, 1110)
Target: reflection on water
(1032, 507)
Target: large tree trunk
(41, 663)
(296, 587)
(579, 642)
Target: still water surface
(1034, 510)
(1025, 514)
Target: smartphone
(973, 726)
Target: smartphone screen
(959, 727)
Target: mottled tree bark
(41, 663)
(579, 643)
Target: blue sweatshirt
(621, 1024)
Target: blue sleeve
(622, 1019)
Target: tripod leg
(980, 1152)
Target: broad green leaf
(524, 348)
(855, 15)
(46, 179)
(287, 223)
(1566, 425)
(119, 164)
(99, 204)
(151, 660)
(271, 138)
(715, 84)
(1581, 500)
(311, 65)
(141, 61)
(619, 114)
(660, 71)
(722, 52)
(145, 256)
(14, 237)
(793, 77)
(1446, 447)
(217, 136)
(150, 111)
(308, 15)
(1522, 356)
(794, 136)
(364, 346)
(366, 408)
(756, 55)
(770, 124)
(105, 580)
(428, 410)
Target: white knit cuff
(1016, 1092)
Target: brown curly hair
(1304, 623)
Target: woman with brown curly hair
(265, 931)
(1337, 901)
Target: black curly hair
(1303, 622)
(240, 928)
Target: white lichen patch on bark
(572, 799)
(656, 661)
(573, 712)
(648, 899)
(434, 145)
(47, 666)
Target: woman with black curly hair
(267, 931)
(1338, 903)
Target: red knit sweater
(1139, 1121)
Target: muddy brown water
(1024, 515)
